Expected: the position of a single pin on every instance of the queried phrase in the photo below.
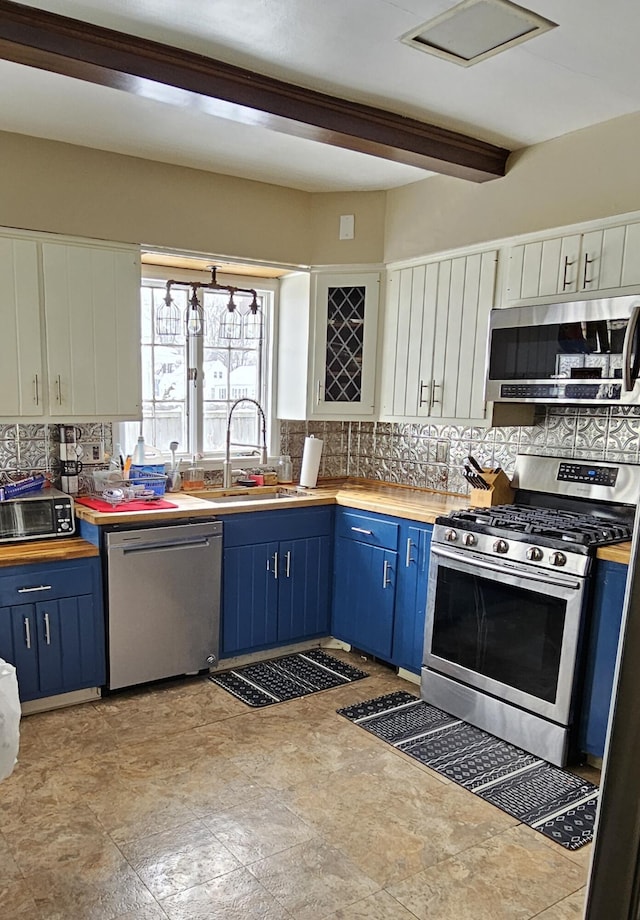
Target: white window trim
(125, 434)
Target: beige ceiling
(581, 73)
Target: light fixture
(231, 325)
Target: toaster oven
(37, 516)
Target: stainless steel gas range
(508, 596)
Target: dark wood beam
(136, 65)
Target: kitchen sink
(254, 498)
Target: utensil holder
(498, 493)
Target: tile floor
(181, 802)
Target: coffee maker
(70, 453)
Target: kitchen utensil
(175, 479)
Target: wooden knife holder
(498, 493)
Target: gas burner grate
(551, 523)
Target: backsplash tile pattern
(431, 456)
(34, 448)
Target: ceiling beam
(136, 65)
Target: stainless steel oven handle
(627, 346)
(520, 573)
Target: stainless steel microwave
(48, 513)
(584, 352)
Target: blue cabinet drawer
(369, 529)
(29, 584)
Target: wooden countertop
(618, 552)
(360, 494)
(57, 550)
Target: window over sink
(189, 383)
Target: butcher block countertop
(360, 494)
(59, 549)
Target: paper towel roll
(310, 462)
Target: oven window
(26, 518)
(509, 634)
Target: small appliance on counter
(36, 516)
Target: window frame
(127, 432)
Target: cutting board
(99, 505)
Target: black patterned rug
(558, 804)
(268, 682)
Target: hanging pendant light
(231, 324)
(195, 315)
(253, 320)
(167, 316)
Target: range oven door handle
(552, 581)
(629, 338)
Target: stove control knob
(501, 546)
(558, 559)
(450, 536)
(534, 554)
(469, 539)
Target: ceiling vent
(477, 29)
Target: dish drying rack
(113, 488)
(26, 486)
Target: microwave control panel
(591, 473)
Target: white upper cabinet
(92, 313)
(327, 340)
(21, 377)
(434, 342)
(604, 259)
(70, 346)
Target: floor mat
(268, 682)
(558, 804)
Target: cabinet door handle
(408, 559)
(275, 565)
(58, 390)
(385, 574)
(36, 395)
(47, 629)
(422, 399)
(27, 632)
(369, 533)
(35, 588)
(287, 557)
(587, 262)
(565, 282)
(434, 386)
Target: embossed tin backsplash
(430, 456)
(35, 448)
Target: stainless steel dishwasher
(163, 601)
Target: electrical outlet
(92, 452)
(442, 451)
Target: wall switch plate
(92, 451)
(442, 452)
(347, 226)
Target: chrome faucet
(226, 469)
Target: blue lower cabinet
(364, 596)
(610, 580)
(380, 585)
(411, 596)
(57, 641)
(276, 590)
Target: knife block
(498, 493)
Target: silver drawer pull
(408, 559)
(27, 632)
(275, 565)
(385, 574)
(37, 588)
(369, 533)
(47, 629)
(287, 557)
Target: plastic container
(138, 452)
(149, 475)
(192, 478)
(285, 469)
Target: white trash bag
(9, 719)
